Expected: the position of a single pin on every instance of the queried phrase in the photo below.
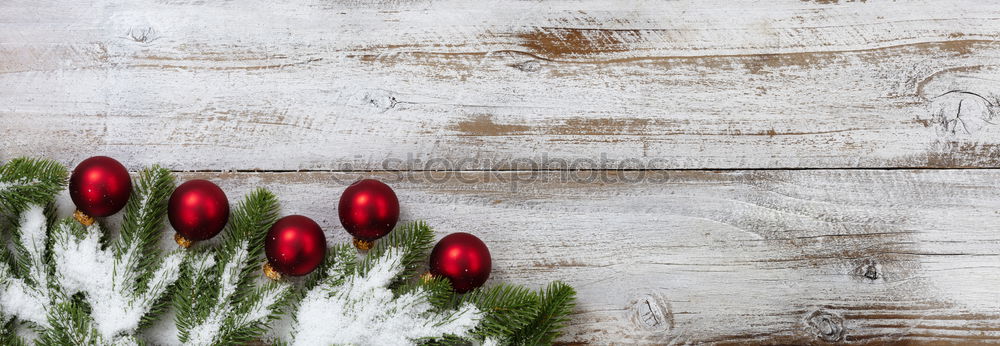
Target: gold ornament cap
(270, 273)
(83, 218)
(363, 245)
(183, 242)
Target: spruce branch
(218, 300)
(25, 181)
(71, 289)
(195, 292)
(142, 224)
(507, 308)
(555, 305)
(439, 290)
(8, 335)
(125, 284)
(341, 261)
(246, 230)
(70, 325)
(252, 316)
(415, 238)
(353, 303)
(107, 283)
(26, 292)
(74, 285)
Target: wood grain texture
(790, 257)
(320, 85)
(502, 118)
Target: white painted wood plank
(788, 257)
(318, 85)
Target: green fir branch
(25, 181)
(248, 225)
(507, 308)
(356, 292)
(341, 260)
(90, 292)
(31, 258)
(8, 335)
(195, 292)
(205, 309)
(414, 238)
(556, 302)
(438, 288)
(241, 331)
(26, 270)
(8, 266)
(71, 324)
(218, 289)
(143, 222)
(141, 229)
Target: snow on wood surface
(329, 85)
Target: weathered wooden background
(796, 171)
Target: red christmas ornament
(295, 246)
(463, 259)
(99, 186)
(368, 210)
(198, 210)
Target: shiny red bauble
(198, 210)
(368, 209)
(463, 259)
(295, 245)
(100, 186)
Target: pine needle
(66, 282)
(25, 181)
(556, 302)
(508, 309)
(218, 300)
(415, 238)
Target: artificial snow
(263, 307)
(107, 281)
(18, 182)
(28, 302)
(206, 332)
(362, 310)
(17, 299)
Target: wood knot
(652, 313)
(380, 99)
(959, 112)
(871, 273)
(826, 326)
(528, 66)
(142, 35)
(868, 269)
